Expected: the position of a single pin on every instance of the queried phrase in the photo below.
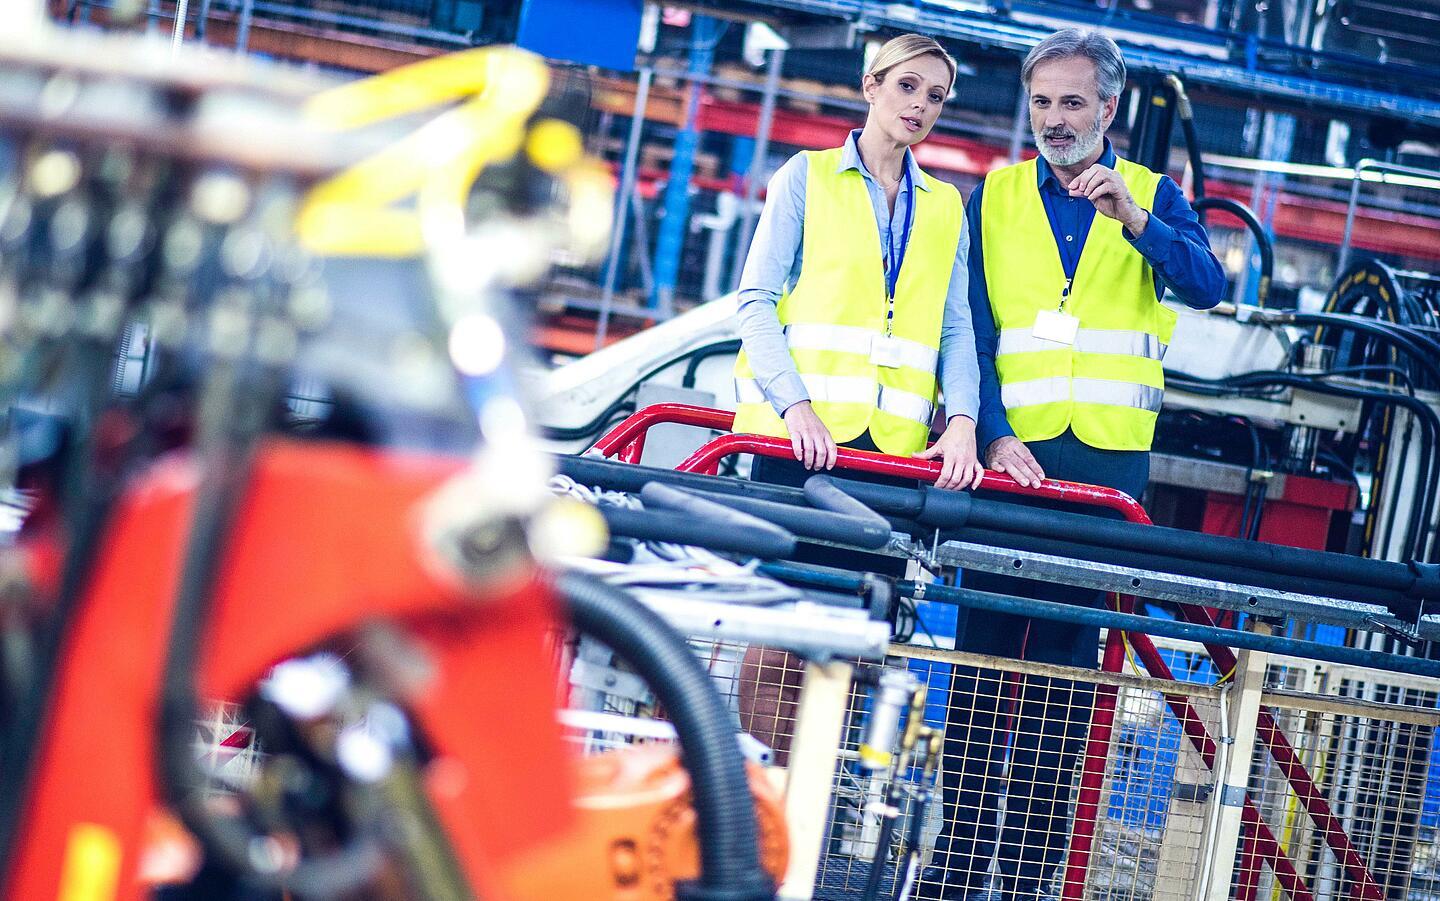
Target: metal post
(1244, 710)
(1022, 125)
(757, 167)
(705, 34)
(1360, 167)
(177, 34)
(1092, 770)
(622, 202)
(814, 755)
(242, 32)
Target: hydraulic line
(1262, 239)
(1430, 430)
(1192, 139)
(730, 867)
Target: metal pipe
(177, 32)
(705, 33)
(1215, 638)
(242, 31)
(757, 166)
(1382, 167)
(622, 202)
(1350, 216)
(1092, 771)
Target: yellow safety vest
(838, 306)
(1107, 387)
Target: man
(1075, 249)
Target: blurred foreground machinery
(266, 629)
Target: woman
(874, 254)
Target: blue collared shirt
(1174, 243)
(774, 263)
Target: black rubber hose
(822, 492)
(904, 506)
(658, 495)
(730, 867)
(1429, 422)
(632, 478)
(682, 528)
(1192, 139)
(1262, 240)
(1420, 347)
(871, 532)
(724, 348)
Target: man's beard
(1084, 143)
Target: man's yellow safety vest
(1107, 385)
(838, 307)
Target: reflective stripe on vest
(1087, 341)
(842, 389)
(1061, 389)
(852, 340)
(837, 309)
(1107, 386)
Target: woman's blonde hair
(904, 48)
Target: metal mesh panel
(1016, 740)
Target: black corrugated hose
(724, 808)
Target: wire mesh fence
(1342, 800)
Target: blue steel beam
(705, 34)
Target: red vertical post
(1092, 771)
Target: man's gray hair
(1094, 46)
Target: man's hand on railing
(1010, 456)
(959, 467)
(814, 446)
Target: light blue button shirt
(773, 264)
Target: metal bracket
(1233, 796)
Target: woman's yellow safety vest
(837, 309)
(1107, 385)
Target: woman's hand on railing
(959, 468)
(813, 444)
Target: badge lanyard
(895, 259)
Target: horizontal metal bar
(1180, 589)
(1054, 671)
(1146, 625)
(1343, 706)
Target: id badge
(1053, 325)
(887, 351)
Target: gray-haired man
(1073, 252)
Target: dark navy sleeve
(991, 423)
(1178, 249)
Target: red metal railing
(628, 441)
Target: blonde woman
(854, 294)
(853, 309)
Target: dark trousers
(770, 679)
(1039, 722)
